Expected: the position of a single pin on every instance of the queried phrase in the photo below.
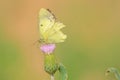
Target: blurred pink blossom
(47, 48)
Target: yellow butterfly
(49, 28)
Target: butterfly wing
(55, 33)
(46, 21)
(49, 28)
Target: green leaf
(113, 71)
(63, 72)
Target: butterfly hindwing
(55, 34)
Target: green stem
(52, 77)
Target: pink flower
(47, 48)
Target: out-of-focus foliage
(9, 56)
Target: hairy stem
(52, 77)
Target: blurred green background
(93, 42)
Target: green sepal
(50, 64)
